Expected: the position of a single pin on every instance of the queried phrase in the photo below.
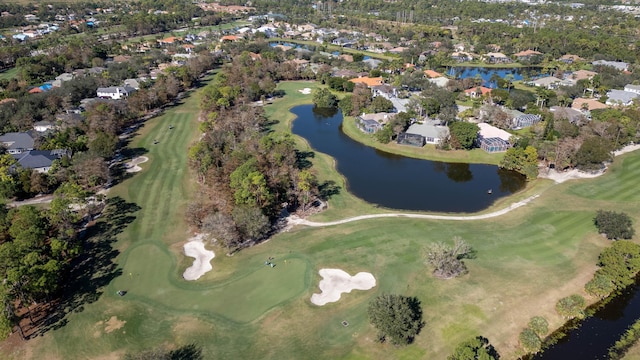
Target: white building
(115, 92)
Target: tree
(614, 225)
(306, 184)
(476, 348)
(323, 98)
(571, 307)
(620, 263)
(446, 260)
(381, 104)
(251, 222)
(539, 325)
(463, 135)
(398, 318)
(222, 227)
(524, 161)
(530, 341)
(600, 286)
(592, 153)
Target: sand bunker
(132, 166)
(335, 282)
(202, 258)
(305, 91)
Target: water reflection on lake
(398, 182)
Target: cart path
(295, 220)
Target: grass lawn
(9, 74)
(526, 261)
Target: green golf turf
(526, 260)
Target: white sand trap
(202, 258)
(132, 166)
(335, 282)
(305, 91)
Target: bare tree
(446, 260)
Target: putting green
(253, 294)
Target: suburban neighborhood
(330, 180)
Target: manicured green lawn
(526, 261)
(9, 74)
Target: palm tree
(509, 79)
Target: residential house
(583, 104)
(632, 88)
(43, 126)
(370, 82)
(372, 63)
(121, 58)
(574, 116)
(547, 82)
(398, 50)
(169, 40)
(132, 83)
(582, 75)
(432, 131)
(346, 57)
(344, 42)
(476, 92)
(115, 92)
(229, 38)
(372, 123)
(521, 120)
(385, 90)
(527, 55)
(570, 59)
(432, 74)
(620, 97)
(496, 58)
(39, 160)
(439, 81)
(619, 65)
(344, 73)
(461, 56)
(492, 139)
(61, 79)
(411, 139)
(17, 142)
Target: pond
(398, 182)
(487, 73)
(598, 333)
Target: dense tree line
(247, 173)
(36, 247)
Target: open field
(242, 309)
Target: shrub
(539, 325)
(530, 341)
(614, 225)
(571, 306)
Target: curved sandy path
(295, 220)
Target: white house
(632, 88)
(115, 92)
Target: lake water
(398, 182)
(487, 73)
(598, 333)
